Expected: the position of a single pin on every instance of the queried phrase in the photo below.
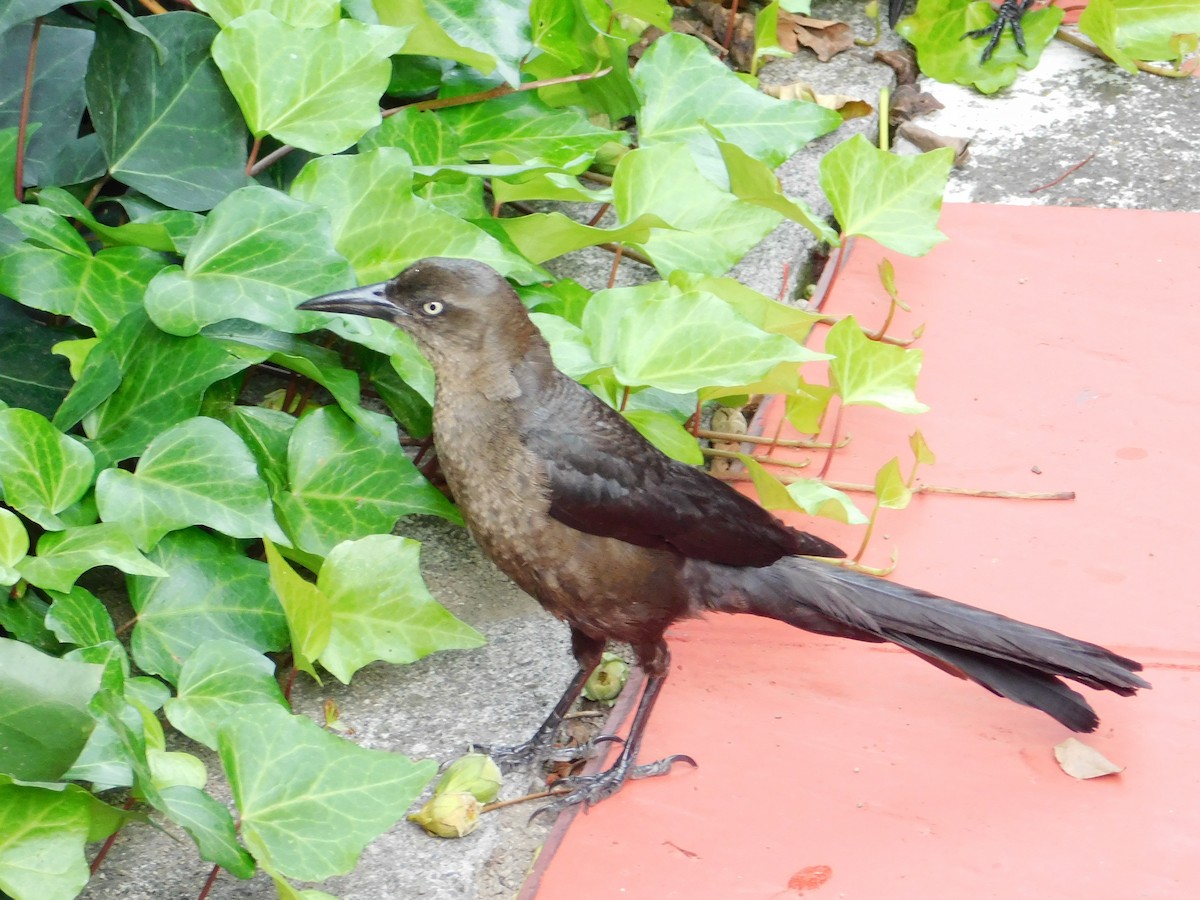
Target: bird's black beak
(368, 300)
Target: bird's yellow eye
(432, 307)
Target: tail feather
(1008, 657)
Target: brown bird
(620, 540)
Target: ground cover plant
(175, 182)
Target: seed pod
(450, 815)
(475, 773)
(606, 682)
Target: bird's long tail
(1010, 658)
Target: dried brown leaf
(1079, 760)
(849, 107)
(903, 62)
(825, 37)
(741, 44)
(909, 102)
(926, 140)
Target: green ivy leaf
(382, 228)
(195, 473)
(54, 154)
(216, 680)
(346, 482)
(818, 499)
(381, 609)
(213, 592)
(766, 35)
(427, 37)
(62, 556)
(872, 373)
(894, 200)
(258, 255)
(42, 836)
(77, 617)
(25, 350)
(300, 13)
(314, 88)
(159, 380)
(712, 228)
(14, 544)
(311, 820)
(167, 126)
(890, 490)
(768, 314)
(543, 236)
(498, 28)
(568, 345)
(42, 470)
(665, 433)
(309, 619)
(937, 31)
(266, 433)
(44, 716)
(686, 91)
(1128, 31)
(153, 234)
(210, 825)
(680, 341)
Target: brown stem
(612, 274)
(624, 396)
(95, 191)
(253, 156)
(500, 90)
(627, 253)
(855, 487)
(155, 8)
(595, 220)
(833, 442)
(537, 795)
(1076, 41)
(734, 438)
(1071, 171)
(212, 879)
(269, 160)
(23, 121)
(729, 29)
(109, 841)
(730, 454)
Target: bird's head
(455, 309)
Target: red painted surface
(1059, 339)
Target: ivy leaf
(42, 836)
(14, 544)
(680, 341)
(894, 200)
(25, 349)
(382, 228)
(216, 680)
(819, 499)
(311, 820)
(499, 28)
(665, 433)
(97, 291)
(167, 126)
(381, 609)
(756, 182)
(265, 432)
(568, 345)
(258, 254)
(54, 154)
(300, 13)
(309, 619)
(1126, 31)
(62, 556)
(159, 380)
(78, 617)
(44, 716)
(937, 30)
(213, 592)
(314, 88)
(42, 470)
(872, 373)
(890, 490)
(522, 125)
(713, 229)
(195, 473)
(153, 234)
(210, 825)
(753, 306)
(427, 37)
(347, 482)
(543, 236)
(686, 91)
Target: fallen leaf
(925, 140)
(848, 107)
(910, 102)
(1079, 760)
(825, 37)
(903, 63)
(741, 45)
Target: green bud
(450, 815)
(475, 773)
(608, 679)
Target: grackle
(619, 540)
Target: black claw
(1007, 16)
(587, 790)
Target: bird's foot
(1007, 16)
(539, 750)
(591, 789)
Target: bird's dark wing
(606, 479)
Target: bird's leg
(540, 746)
(590, 789)
(1008, 15)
